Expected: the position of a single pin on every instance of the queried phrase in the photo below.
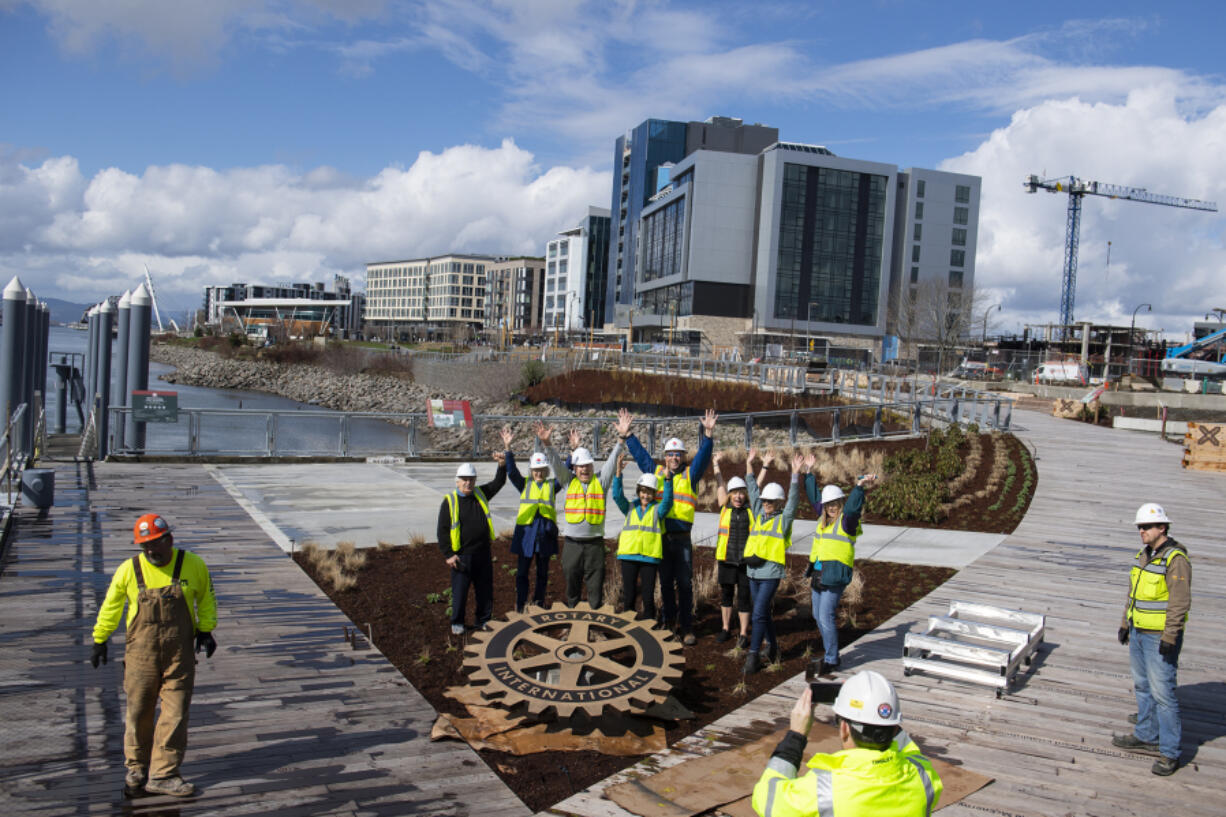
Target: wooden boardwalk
(1049, 744)
(287, 719)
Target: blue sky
(291, 139)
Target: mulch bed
(414, 633)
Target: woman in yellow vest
(536, 522)
(833, 555)
(640, 546)
(735, 521)
(766, 554)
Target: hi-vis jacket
(769, 539)
(193, 578)
(681, 517)
(725, 532)
(453, 503)
(642, 537)
(895, 782)
(1159, 592)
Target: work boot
(723, 636)
(742, 642)
(457, 629)
(689, 639)
(1134, 744)
(752, 663)
(1165, 766)
(134, 783)
(172, 786)
(826, 668)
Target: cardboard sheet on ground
(491, 727)
(725, 780)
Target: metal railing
(290, 433)
(14, 460)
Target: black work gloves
(1166, 648)
(206, 642)
(1122, 635)
(99, 654)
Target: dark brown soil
(641, 393)
(413, 632)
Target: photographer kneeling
(880, 771)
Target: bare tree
(935, 315)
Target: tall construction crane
(1078, 189)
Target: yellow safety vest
(585, 504)
(684, 500)
(725, 524)
(768, 540)
(832, 544)
(642, 535)
(453, 501)
(1147, 601)
(536, 499)
(852, 783)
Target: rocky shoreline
(487, 387)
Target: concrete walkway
(367, 503)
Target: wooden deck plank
(1049, 744)
(287, 717)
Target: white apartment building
(437, 292)
(574, 266)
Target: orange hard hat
(149, 527)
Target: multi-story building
(795, 243)
(432, 293)
(516, 297)
(641, 161)
(576, 273)
(220, 301)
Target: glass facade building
(831, 244)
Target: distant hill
(65, 311)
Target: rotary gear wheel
(574, 659)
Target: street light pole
(1132, 330)
(987, 312)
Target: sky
(291, 140)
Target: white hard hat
(867, 697)
(773, 491)
(737, 484)
(648, 481)
(832, 493)
(538, 461)
(581, 456)
(466, 470)
(1151, 513)
(674, 444)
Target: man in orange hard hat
(171, 609)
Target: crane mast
(1078, 189)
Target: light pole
(809, 329)
(1132, 330)
(987, 312)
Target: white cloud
(1173, 258)
(80, 238)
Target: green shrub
(533, 372)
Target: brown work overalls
(158, 662)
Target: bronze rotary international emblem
(574, 659)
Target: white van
(1062, 371)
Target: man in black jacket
(465, 532)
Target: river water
(235, 432)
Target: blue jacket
(697, 466)
(541, 534)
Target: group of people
(172, 611)
(755, 533)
